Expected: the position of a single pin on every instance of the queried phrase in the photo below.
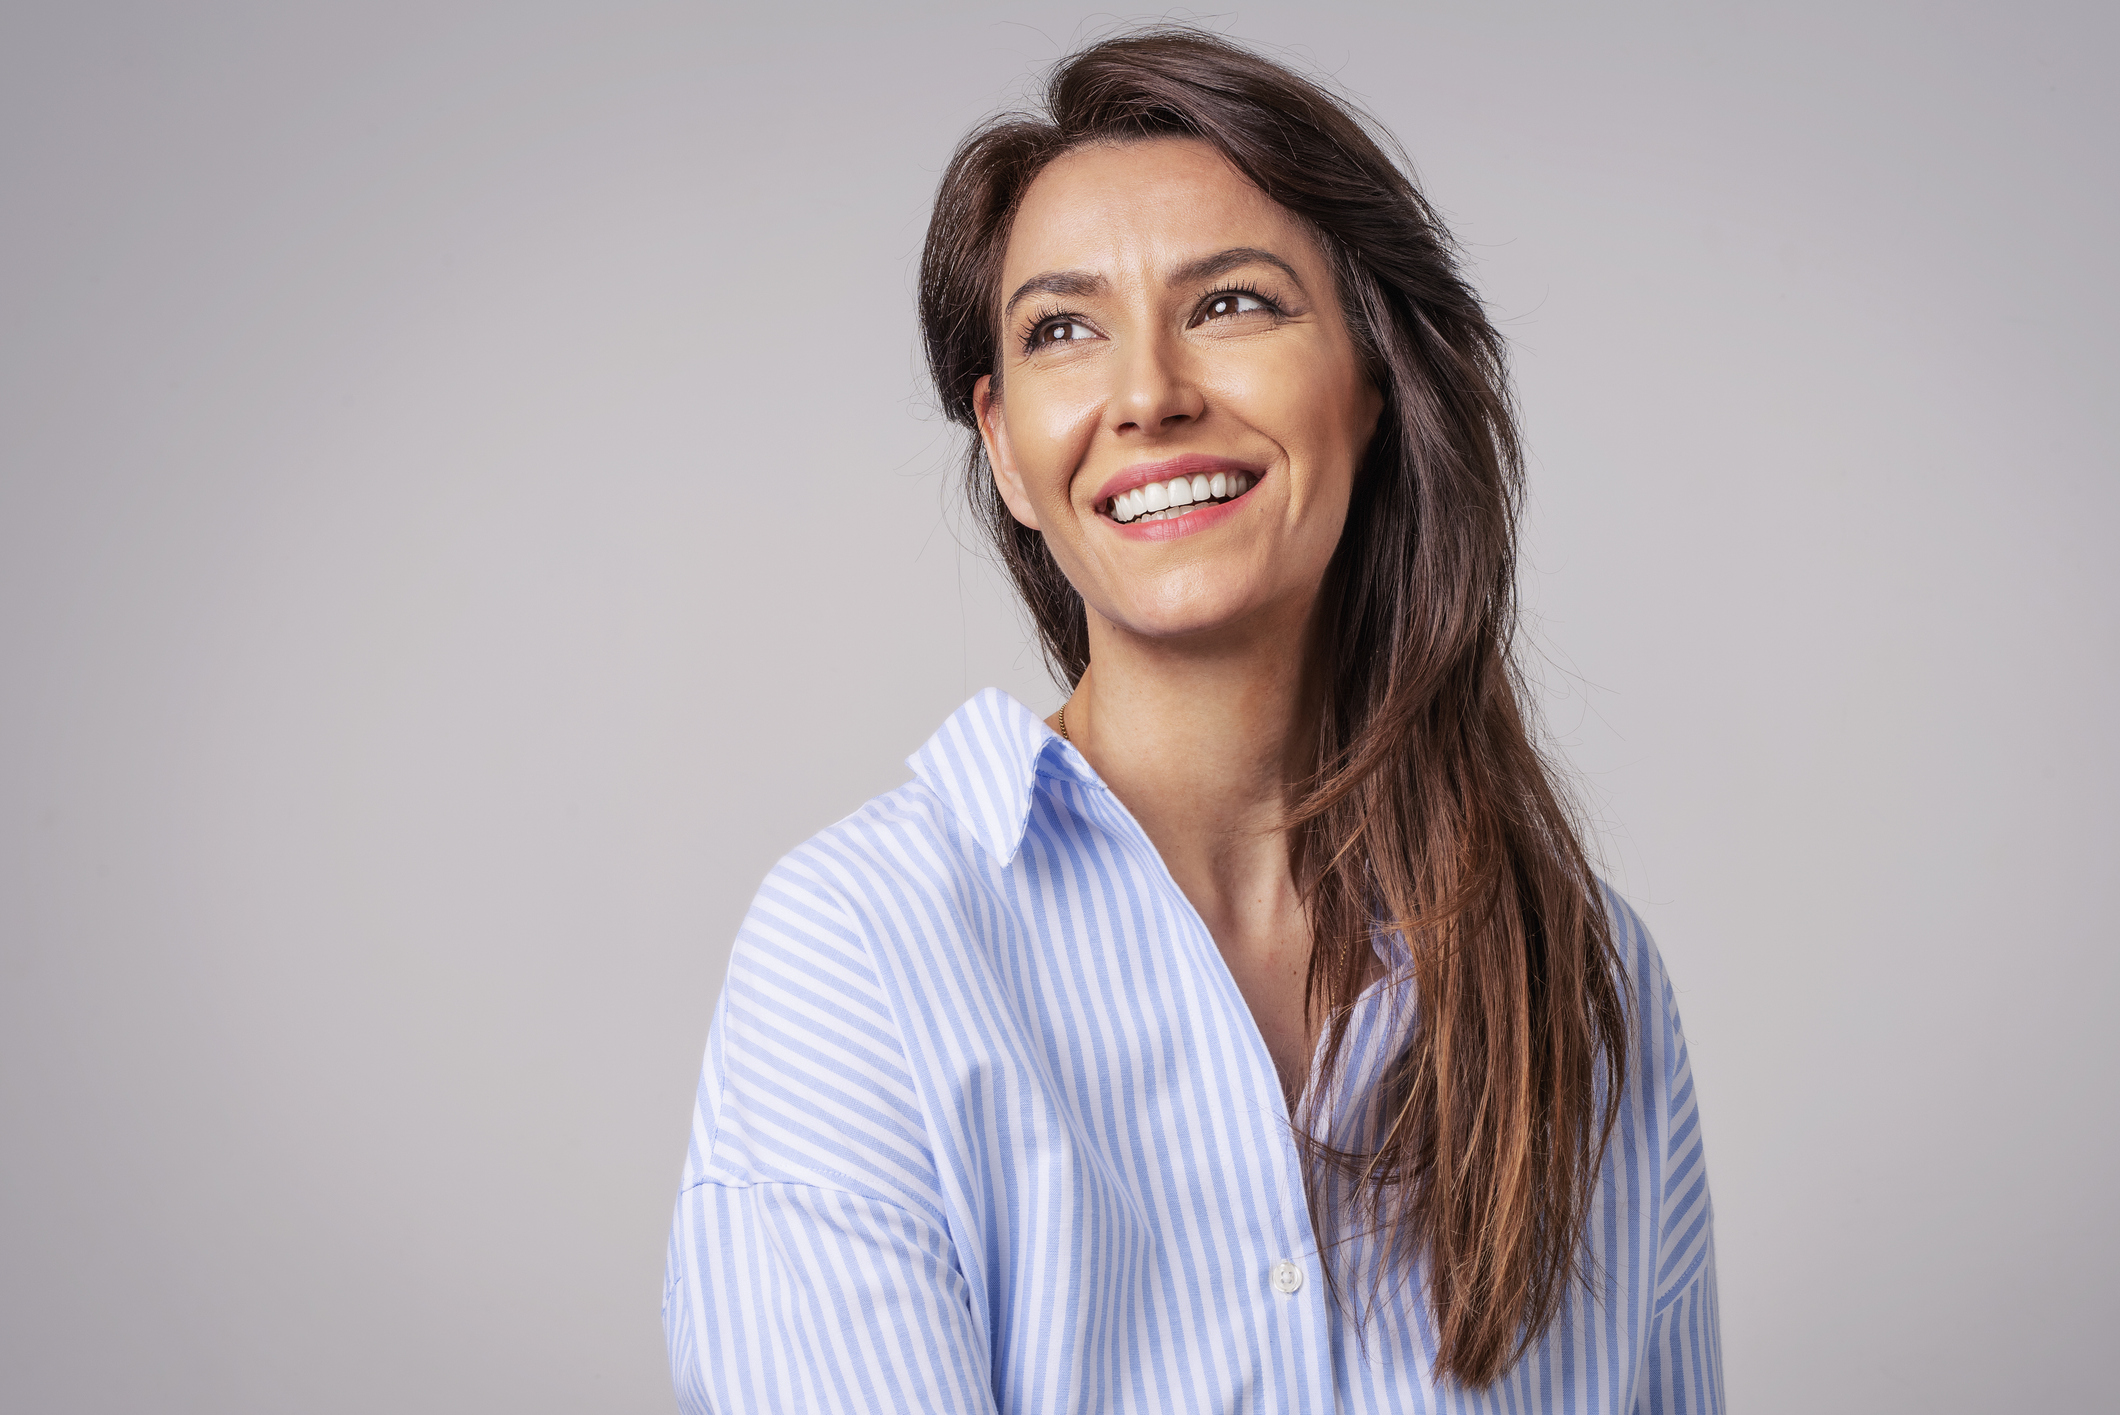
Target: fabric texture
(986, 1125)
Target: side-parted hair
(1430, 813)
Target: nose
(1152, 394)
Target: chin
(1190, 614)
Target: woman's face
(1181, 409)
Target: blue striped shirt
(986, 1125)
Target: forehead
(1141, 206)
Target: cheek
(1344, 403)
(1317, 414)
(1050, 432)
(1346, 420)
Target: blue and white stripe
(986, 1125)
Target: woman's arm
(811, 1267)
(788, 1297)
(1682, 1365)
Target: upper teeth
(1171, 497)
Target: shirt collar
(984, 764)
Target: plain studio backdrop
(471, 503)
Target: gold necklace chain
(1063, 724)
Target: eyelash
(1048, 315)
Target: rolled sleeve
(791, 1297)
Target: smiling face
(1181, 408)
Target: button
(1287, 1277)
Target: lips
(1158, 491)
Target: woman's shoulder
(1633, 944)
(860, 907)
(901, 842)
(808, 1081)
(925, 845)
(1652, 999)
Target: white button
(1287, 1277)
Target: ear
(993, 433)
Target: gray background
(469, 504)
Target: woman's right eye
(1058, 331)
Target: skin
(1201, 692)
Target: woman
(1251, 1034)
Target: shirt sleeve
(1682, 1365)
(811, 1266)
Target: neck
(1206, 743)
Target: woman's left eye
(1231, 302)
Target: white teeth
(1158, 501)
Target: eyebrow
(1081, 284)
(1207, 267)
(1078, 283)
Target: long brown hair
(1431, 812)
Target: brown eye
(1060, 331)
(1231, 302)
